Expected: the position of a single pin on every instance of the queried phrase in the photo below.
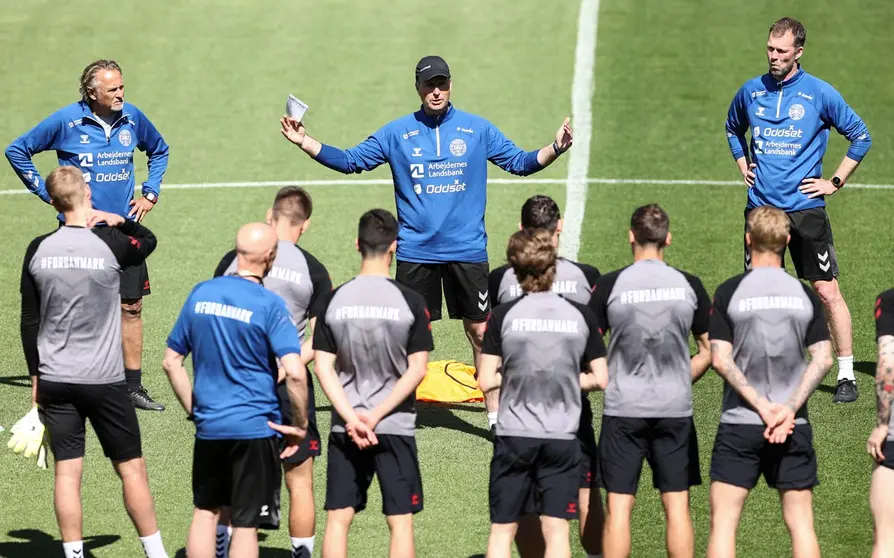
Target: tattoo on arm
(884, 379)
(726, 366)
(819, 366)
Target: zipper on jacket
(438, 138)
(779, 102)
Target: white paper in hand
(295, 108)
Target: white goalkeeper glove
(28, 437)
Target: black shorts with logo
(243, 474)
(350, 470)
(888, 452)
(670, 445)
(310, 446)
(135, 282)
(464, 285)
(742, 454)
(65, 408)
(526, 470)
(811, 247)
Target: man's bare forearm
(700, 363)
(846, 168)
(725, 365)
(884, 380)
(311, 146)
(416, 369)
(179, 378)
(820, 363)
(296, 386)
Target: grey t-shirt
(296, 276)
(372, 324)
(884, 325)
(770, 318)
(71, 304)
(573, 280)
(650, 308)
(544, 341)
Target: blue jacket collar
(432, 121)
(87, 113)
(770, 80)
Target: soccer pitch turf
(213, 77)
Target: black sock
(133, 378)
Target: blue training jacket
(106, 161)
(789, 123)
(439, 168)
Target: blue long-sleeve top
(789, 123)
(106, 160)
(439, 168)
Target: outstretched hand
(565, 137)
(292, 130)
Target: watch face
(836, 181)
(151, 197)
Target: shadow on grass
(262, 553)
(16, 381)
(37, 543)
(439, 415)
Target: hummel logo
(78, 552)
(760, 111)
(482, 296)
(85, 138)
(417, 152)
(482, 301)
(824, 261)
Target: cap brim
(430, 74)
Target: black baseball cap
(430, 67)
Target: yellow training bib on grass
(449, 381)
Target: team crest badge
(124, 137)
(796, 111)
(457, 148)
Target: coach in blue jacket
(98, 135)
(438, 157)
(789, 114)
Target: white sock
(222, 542)
(491, 419)
(153, 546)
(74, 549)
(298, 544)
(846, 368)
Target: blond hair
(532, 255)
(66, 188)
(769, 229)
(89, 81)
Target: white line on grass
(582, 121)
(494, 181)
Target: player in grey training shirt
(881, 442)
(71, 335)
(650, 309)
(371, 349)
(764, 323)
(573, 281)
(302, 281)
(540, 343)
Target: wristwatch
(556, 149)
(837, 182)
(151, 196)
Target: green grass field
(213, 77)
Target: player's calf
(302, 518)
(616, 533)
(200, 540)
(335, 537)
(797, 511)
(499, 543)
(727, 501)
(882, 507)
(680, 536)
(402, 543)
(555, 534)
(67, 498)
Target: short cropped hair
(89, 81)
(292, 203)
(540, 212)
(769, 229)
(66, 188)
(650, 224)
(532, 255)
(376, 232)
(787, 24)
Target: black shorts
(465, 287)
(135, 282)
(888, 452)
(349, 472)
(65, 407)
(242, 474)
(670, 445)
(742, 454)
(525, 470)
(811, 247)
(310, 446)
(590, 475)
